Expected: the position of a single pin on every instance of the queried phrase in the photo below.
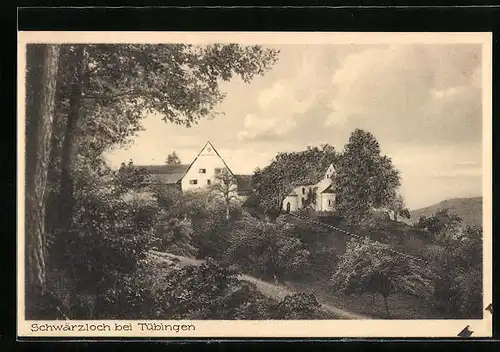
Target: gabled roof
(215, 151)
(164, 169)
(328, 189)
(165, 173)
(176, 172)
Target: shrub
(298, 306)
(111, 231)
(456, 266)
(266, 249)
(367, 266)
(207, 291)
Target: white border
(268, 328)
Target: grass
(334, 306)
(400, 306)
(167, 261)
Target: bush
(111, 231)
(207, 291)
(368, 267)
(298, 306)
(266, 249)
(200, 215)
(456, 267)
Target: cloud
(283, 104)
(268, 95)
(411, 94)
(265, 127)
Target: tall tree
(105, 89)
(366, 179)
(173, 159)
(226, 188)
(367, 266)
(41, 73)
(456, 264)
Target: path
(279, 292)
(267, 288)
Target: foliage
(225, 187)
(207, 291)
(440, 223)
(173, 159)
(287, 170)
(111, 232)
(396, 203)
(456, 265)
(365, 179)
(129, 177)
(179, 81)
(203, 216)
(102, 107)
(298, 306)
(367, 266)
(175, 235)
(266, 248)
(99, 227)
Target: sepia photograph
(308, 180)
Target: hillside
(469, 209)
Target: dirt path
(267, 288)
(279, 292)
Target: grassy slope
(469, 209)
(328, 245)
(273, 291)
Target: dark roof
(328, 189)
(166, 173)
(244, 182)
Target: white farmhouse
(199, 174)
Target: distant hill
(469, 209)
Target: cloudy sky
(422, 103)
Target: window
(303, 190)
(329, 202)
(202, 171)
(209, 182)
(193, 182)
(209, 149)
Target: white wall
(327, 201)
(207, 160)
(293, 203)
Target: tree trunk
(66, 199)
(42, 63)
(386, 307)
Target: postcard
(254, 184)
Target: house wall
(293, 203)
(327, 202)
(302, 194)
(207, 160)
(297, 202)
